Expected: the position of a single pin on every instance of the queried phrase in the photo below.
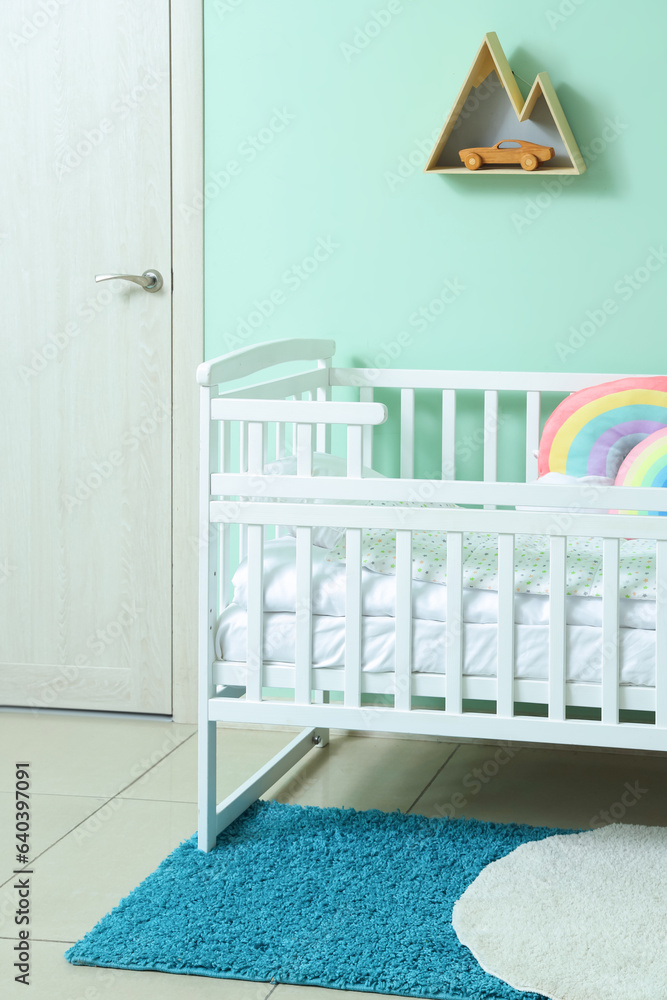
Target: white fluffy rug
(574, 917)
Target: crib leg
(247, 793)
(206, 797)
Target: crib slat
(454, 627)
(505, 697)
(254, 437)
(532, 433)
(323, 394)
(304, 467)
(352, 695)
(280, 453)
(280, 440)
(290, 434)
(403, 646)
(661, 634)
(304, 449)
(243, 467)
(366, 396)
(224, 568)
(255, 612)
(557, 626)
(255, 448)
(354, 451)
(610, 659)
(304, 641)
(449, 433)
(407, 433)
(491, 436)
(243, 445)
(490, 439)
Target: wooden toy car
(528, 154)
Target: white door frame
(187, 159)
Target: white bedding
(637, 580)
(480, 614)
(429, 600)
(480, 644)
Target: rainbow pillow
(645, 465)
(591, 432)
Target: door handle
(150, 281)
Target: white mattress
(584, 646)
(480, 607)
(429, 600)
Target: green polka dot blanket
(531, 566)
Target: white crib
(243, 428)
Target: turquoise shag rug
(320, 897)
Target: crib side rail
(507, 524)
(298, 411)
(343, 515)
(453, 718)
(434, 378)
(566, 500)
(456, 445)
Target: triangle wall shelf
(490, 108)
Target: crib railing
(242, 428)
(322, 383)
(508, 524)
(502, 689)
(449, 383)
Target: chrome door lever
(150, 281)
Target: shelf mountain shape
(482, 116)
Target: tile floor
(112, 797)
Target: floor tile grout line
(176, 802)
(105, 803)
(141, 776)
(34, 940)
(428, 785)
(62, 795)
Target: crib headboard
(248, 360)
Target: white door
(85, 380)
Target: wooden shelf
(495, 171)
(537, 119)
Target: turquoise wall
(319, 221)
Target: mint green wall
(315, 145)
